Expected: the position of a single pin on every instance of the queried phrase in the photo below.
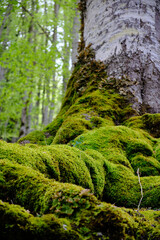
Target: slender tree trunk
(31, 40)
(53, 83)
(75, 37)
(46, 80)
(36, 118)
(126, 37)
(65, 71)
(25, 125)
(66, 55)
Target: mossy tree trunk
(126, 37)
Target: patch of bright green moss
(121, 146)
(148, 122)
(148, 166)
(34, 137)
(72, 165)
(61, 162)
(31, 156)
(92, 110)
(29, 188)
(70, 129)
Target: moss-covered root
(103, 222)
(87, 216)
(17, 223)
(148, 122)
(61, 162)
(123, 151)
(29, 188)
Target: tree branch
(41, 27)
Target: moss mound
(62, 163)
(148, 122)
(124, 151)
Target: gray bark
(25, 125)
(2, 73)
(54, 37)
(126, 37)
(46, 80)
(65, 69)
(75, 34)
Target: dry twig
(138, 174)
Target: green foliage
(32, 61)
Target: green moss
(63, 163)
(121, 146)
(100, 219)
(157, 151)
(70, 129)
(31, 156)
(96, 171)
(72, 165)
(23, 183)
(17, 223)
(148, 122)
(52, 127)
(93, 110)
(122, 188)
(35, 137)
(148, 166)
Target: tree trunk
(53, 83)
(65, 68)
(75, 36)
(126, 37)
(25, 124)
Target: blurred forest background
(38, 48)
